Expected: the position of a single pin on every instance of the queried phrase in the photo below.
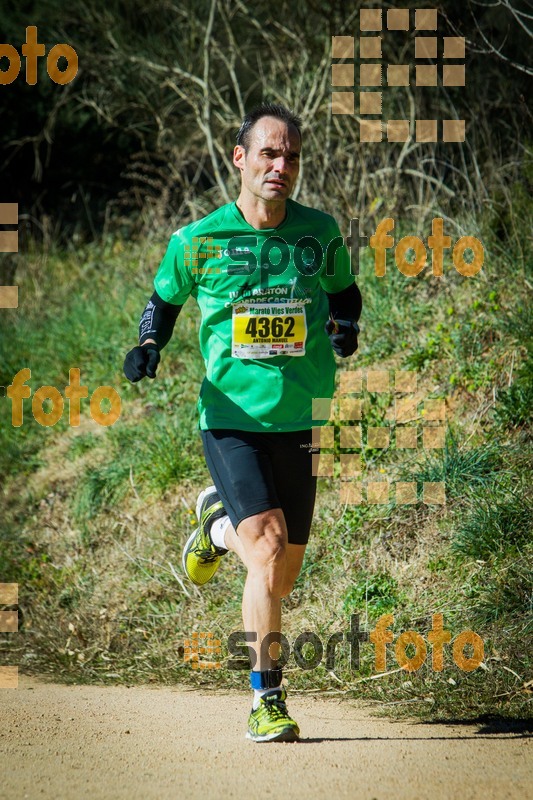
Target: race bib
(263, 330)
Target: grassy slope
(95, 517)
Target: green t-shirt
(263, 309)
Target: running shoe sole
(201, 498)
(288, 735)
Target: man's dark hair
(266, 110)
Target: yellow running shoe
(270, 722)
(201, 558)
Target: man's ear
(239, 154)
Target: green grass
(377, 594)
(99, 489)
(515, 403)
(464, 469)
(495, 525)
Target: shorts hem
(268, 506)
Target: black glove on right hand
(343, 336)
(141, 361)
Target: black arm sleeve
(346, 304)
(158, 320)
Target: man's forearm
(157, 321)
(346, 304)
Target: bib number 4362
(266, 327)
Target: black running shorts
(255, 472)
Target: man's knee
(270, 555)
(265, 536)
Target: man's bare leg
(273, 566)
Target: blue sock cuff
(269, 679)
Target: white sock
(218, 530)
(258, 693)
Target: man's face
(270, 165)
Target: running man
(276, 295)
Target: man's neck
(261, 215)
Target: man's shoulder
(312, 215)
(205, 226)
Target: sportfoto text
(438, 637)
(74, 392)
(239, 250)
(32, 50)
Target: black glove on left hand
(141, 361)
(343, 336)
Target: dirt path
(108, 743)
